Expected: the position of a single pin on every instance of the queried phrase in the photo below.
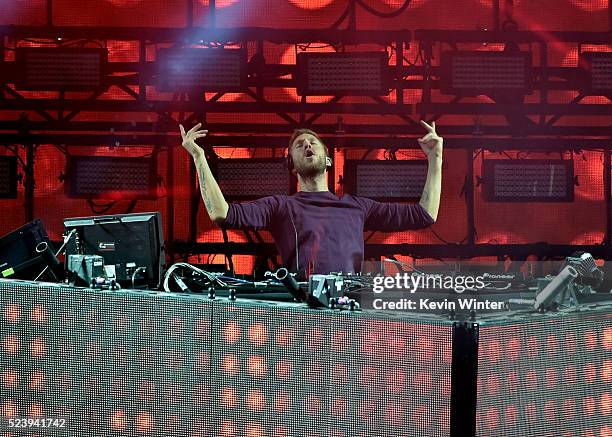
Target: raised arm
(215, 203)
(431, 144)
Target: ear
(329, 162)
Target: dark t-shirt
(328, 230)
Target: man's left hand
(431, 143)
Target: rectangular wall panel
(548, 376)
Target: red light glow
(9, 409)
(10, 343)
(258, 334)
(37, 380)
(230, 365)
(256, 366)
(256, 401)
(227, 429)
(606, 404)
(282, 401)
(606, 339)
(590, 340)
(10, 378)
(39, 315)
(283, 369)
(231, 332)
(145, 422)
(118, 420)
(311, 5)
(284, 337)
(36, 410)
(254, 429)
(590, 373)
(38, 347)
(606, 371)
(228, 397)
(12, 313)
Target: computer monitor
(131, 244)
(18, 256)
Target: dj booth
(123, 363)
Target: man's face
(308, 155)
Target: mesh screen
(110, 363)
(210, 69)
(285, 372)
(8, 182)
(127, 363)
(324, 74)
(488, 71)
(404, 180)
(582, 222)
(546, 378)
(251, 178)
(44, 69)
(527, 180)
(107, 177)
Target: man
(314, 230)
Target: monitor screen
(131, 244)
(18, 256)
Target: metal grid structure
(543, 120)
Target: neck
(313, 183)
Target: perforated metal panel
(342, 73)
(529, 180)
(212, 69)
(485, 72)
(60, 68)
(252, 178)
(546, 377)
(132, 363)
(599, 70)
(110, 177)
(8, 177)
(293, 372)
(386, 180)
(110, 363)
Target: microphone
(289, 281)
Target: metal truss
(536, 125)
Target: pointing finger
(182, 130)
(426, 126)
(195, 128)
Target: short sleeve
(257, 214)
(389, 217)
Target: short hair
(301, 131)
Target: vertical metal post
(142, 62)
(190, 13)
(469, 197)
(213, 13)
(49, 12)
(428, 55)
(607, 176)
(496, 25)
(543, 78)
(464, 379)
(352, 15)
(29, 182)
(170, 197)
(399, 63)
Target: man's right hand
(189, 138)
